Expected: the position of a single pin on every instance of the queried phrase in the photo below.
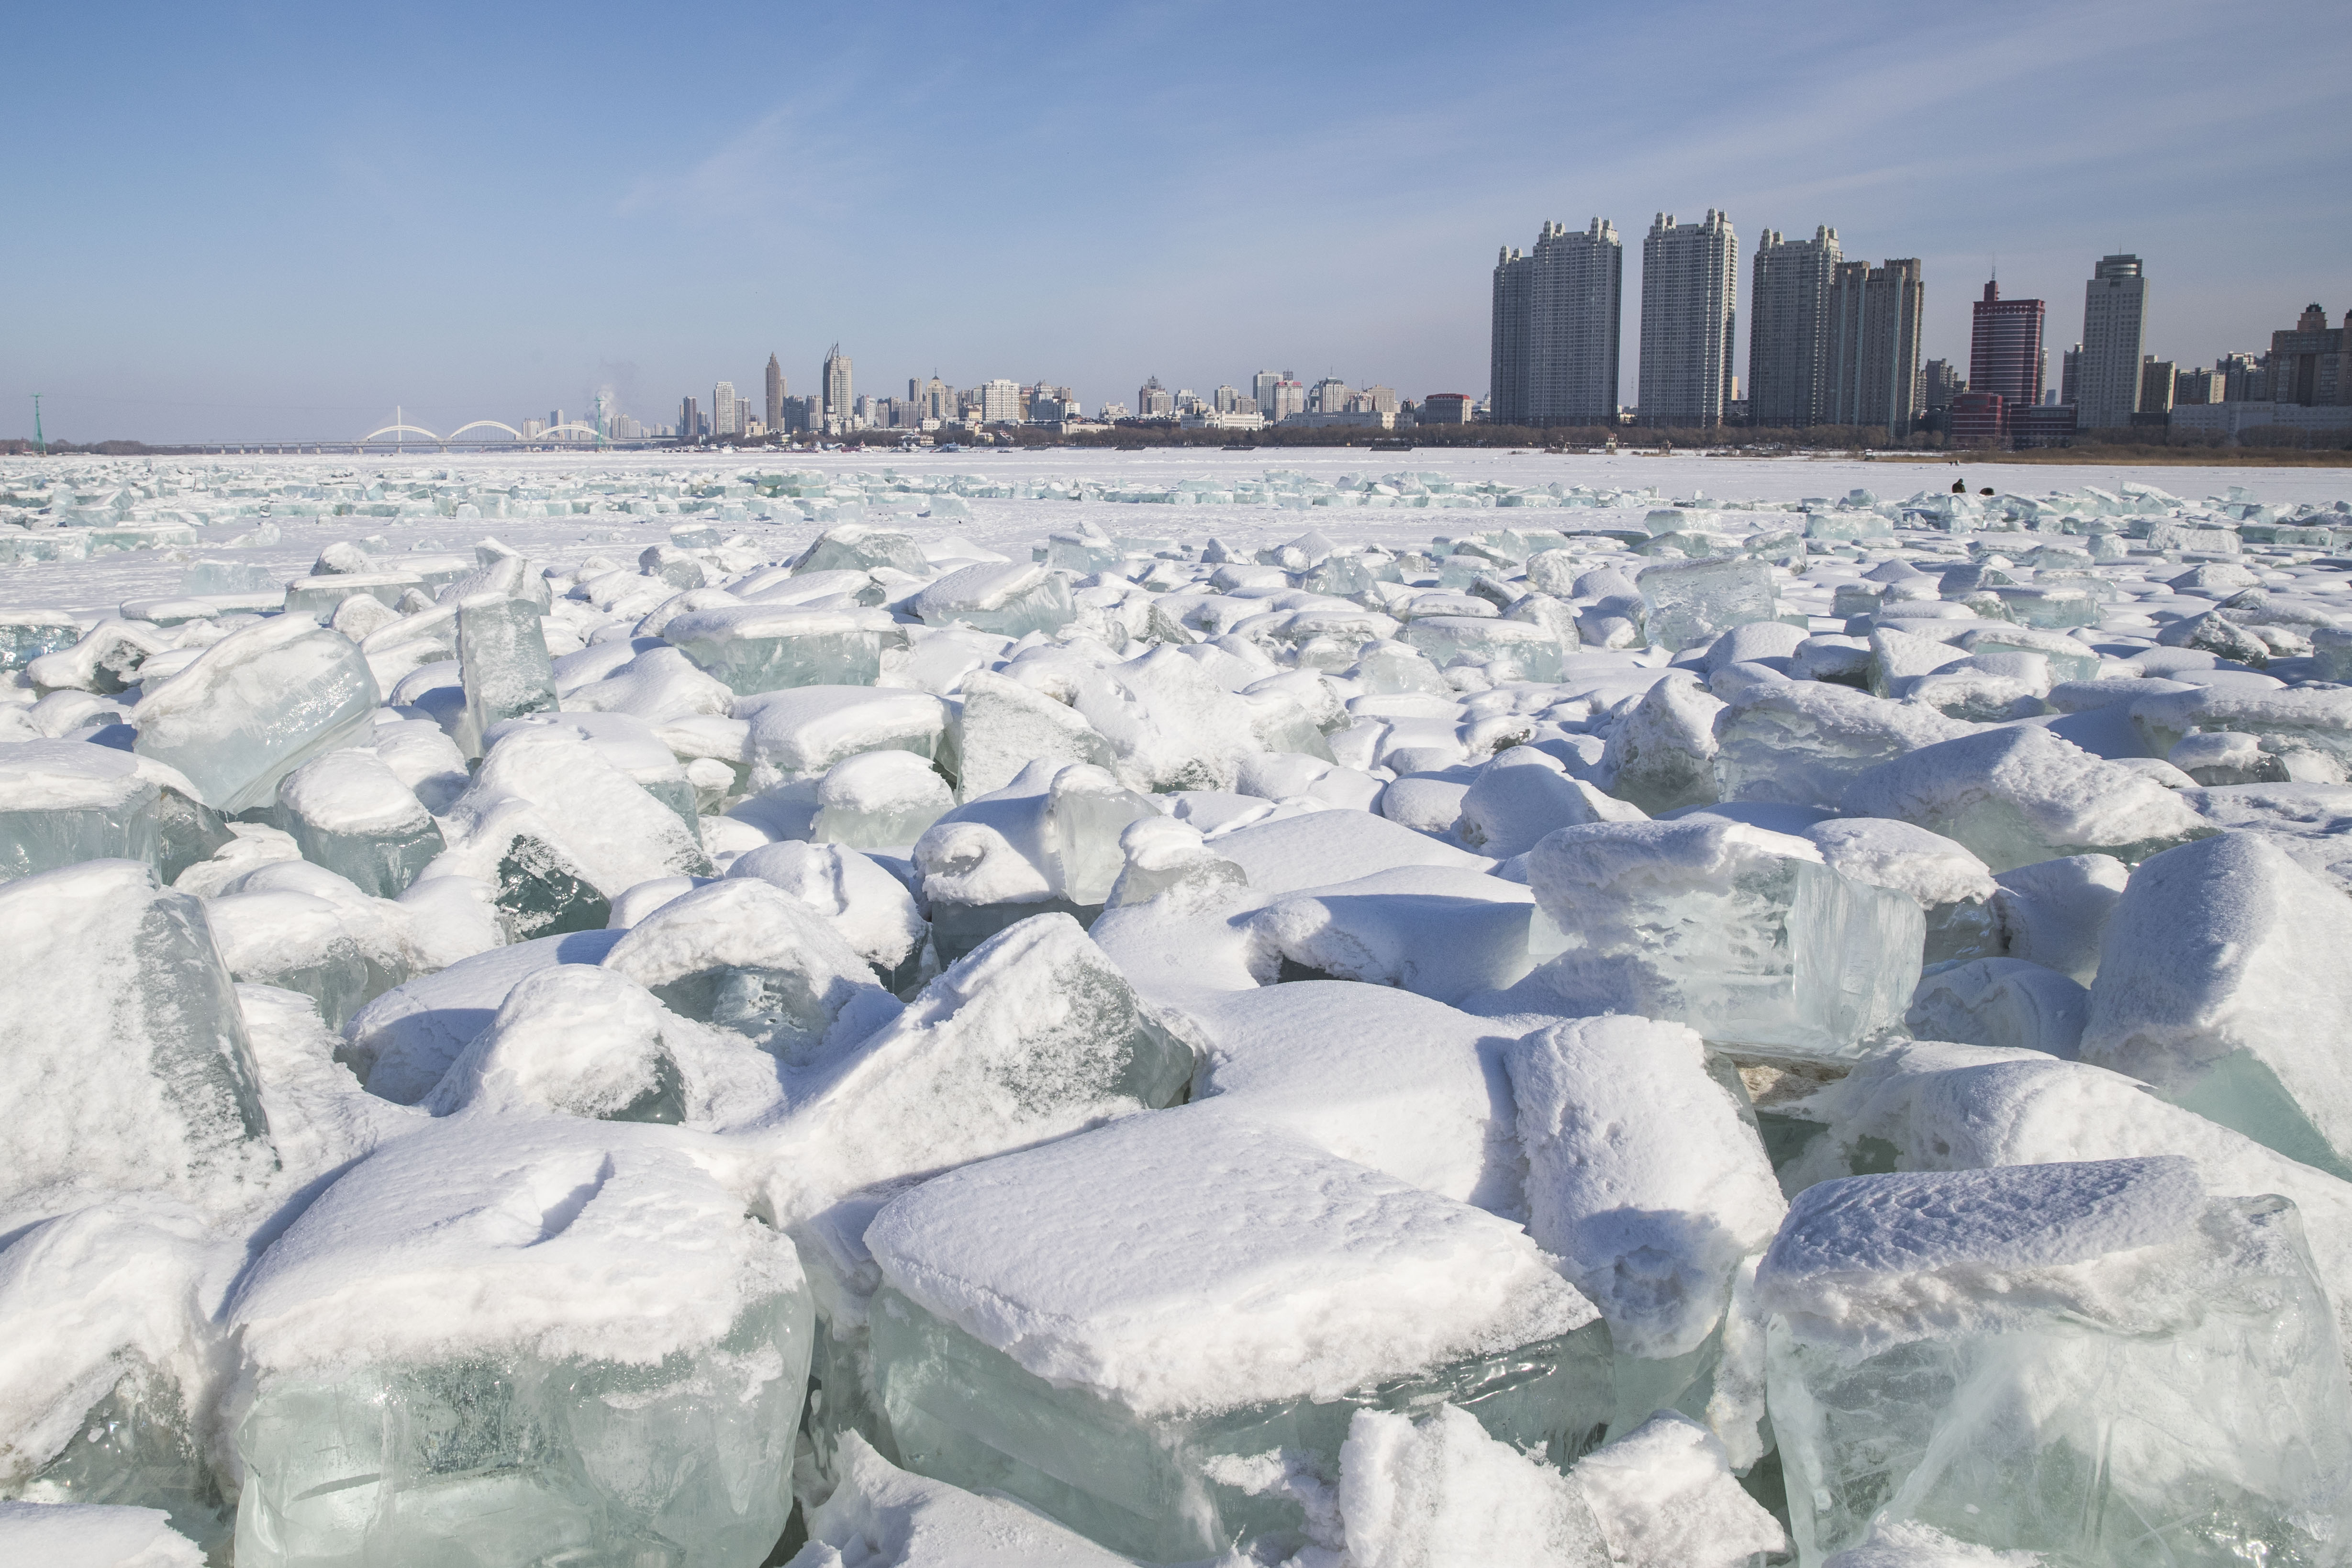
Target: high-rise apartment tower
(775, 420)
(2005, 348)
(1558, 311)
(1875, 314)
(1789, 330)
(1690, 275)
(2114, 316)
(839, 402)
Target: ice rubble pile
(1705, 1034)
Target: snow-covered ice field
(1331, 1009)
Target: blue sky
(258, 220)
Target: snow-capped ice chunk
(1950, 884)
(1012, 598)
(2054, 913)
(751, 958)
(353, 814)
(256, 706)
(1165, 857)
(1099, 1326)
(1032, 1036)
(496, 1334)
(1521, 796)
(1046, 841)
(66, 801)
(879, 799)
(1998, 1353)
(869, 908)
(1005, 726)
(1641, 1176)
(1801, 742)
(1441, 1493)
(767, 647)
(2317, 720)
(853, 546)
(402, 1043)
(2004, 1002)
(102, 1348)
(299, 926)
(2221, 982)
(576, 1038)
(1508, 649)
(1443, 932)
(880, 1516)
(2019, 795)
(559, 832)
(1692, 602)
(129, 1065)
(1376, 1075)
(1663, 755)
(70, 1535)
(503, 663)
(1664, 1497)
(1735, 930)
(808, 729)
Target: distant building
(1289, 397)
(2308, 366)
(999, 401)
(725, 420)
(840, 399)
(2005, 348)
(1117, 410)
(1153, 400)
(2245, 378)
(1225, 419)
(934, 398)
(775, 410)
(1875, 314)
(690, 426)
(1979, 418)
(1690, 278)
(1557, 309)
(2069, 375)
(2114, 316)
(1261, 387)
(2197, 387)
(1788, 330)
(1328, 395)
(2155, 377)
(2045, 424)
(1353, 419)
(1443, 407)
(1940, 383)
(1051, 405)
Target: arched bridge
(567, 431)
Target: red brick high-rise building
(2005, 350)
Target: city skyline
(283, 222)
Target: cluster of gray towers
(1831, 342)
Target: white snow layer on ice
(1211, 959)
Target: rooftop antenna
(39, 445)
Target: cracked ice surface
(1087, 1007)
